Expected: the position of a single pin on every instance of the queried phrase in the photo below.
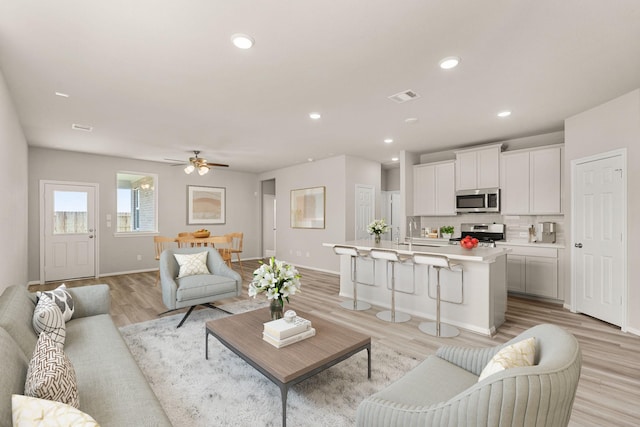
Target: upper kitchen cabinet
(478, 167)
(434, 189)
(531, 181)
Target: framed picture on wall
(307, 207)
(206, 205)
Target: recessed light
(411, 120)
(242, 41)
(310, 159)
(314, 116)
(388, 141)
(394, 159)
(504, 113)
(62, 95)
(449, 62)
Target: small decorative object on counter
(278, 280)
(469, 242)
(377, 228)
(446, 231)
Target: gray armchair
(444, 389)
(202, 289)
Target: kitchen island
(481, 284)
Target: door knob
(578, 245)
(91, 237)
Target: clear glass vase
(377, 238)
(276, 309)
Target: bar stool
(392, 257)
(438, 262)
(353, 252)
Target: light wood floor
(609, 389)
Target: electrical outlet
(139, 257)
(308, 255)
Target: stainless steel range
(487, 234)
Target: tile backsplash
(517, 226)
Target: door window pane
(136, 202)
(70, 212)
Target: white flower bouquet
(276, 279)
(378, 227)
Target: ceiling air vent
(81, 127)
(404, 96)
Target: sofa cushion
(413, 389)
(50, 374)
(62, 298)
(16, 313)
(202, 286)
(112, 388)
(519, 354)
(13, 365)
(30, 411)
(48, 318)
(192, 264)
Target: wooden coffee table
(242, 334)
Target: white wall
(119, 254)
(303, 247)
(610, 126)
(14, 170)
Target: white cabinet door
(515, 183)
(542, 276)
(424, 190)
(466, 171)
(545, 166)
(434, 189)
(516, 273)
(488, 168)
(445, 188)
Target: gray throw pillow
(63, 300)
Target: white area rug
(226, 391)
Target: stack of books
(281, 333)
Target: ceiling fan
(200, 164)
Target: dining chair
(236, 247)
(161, 243)
(223, 245)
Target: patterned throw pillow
(48, 318)
(50, 374)
(30, 411)
(515, 355)
(192, 264)
(62, 298)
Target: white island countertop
(454, 252)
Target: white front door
(598, 255)
(69, 238)
(365, 209)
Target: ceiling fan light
(189, 169)
(202, 170)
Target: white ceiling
(159, 78)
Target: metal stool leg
(355, 304)
(393, 315)
(438, 329)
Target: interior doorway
(68, 230)
(598, 252)
(365, 209)
(269, 228)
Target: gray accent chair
(202, 289)
(444, 389)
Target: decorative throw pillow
(50, 374)
(48, 318)
(31, 411)
(62, 298)
(515, 355)
(192, 264)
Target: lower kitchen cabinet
(533, 271)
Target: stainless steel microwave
(482, 200)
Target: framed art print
(206, 205)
